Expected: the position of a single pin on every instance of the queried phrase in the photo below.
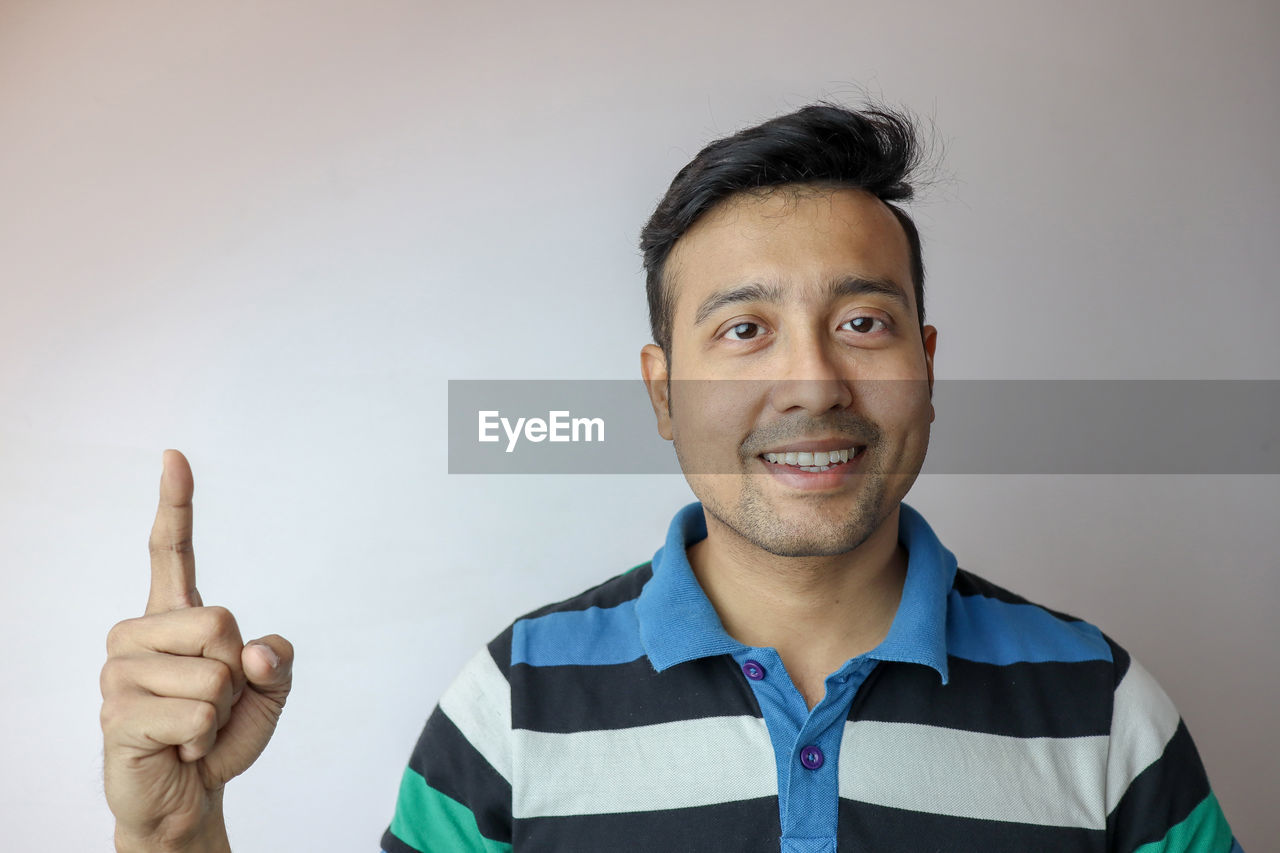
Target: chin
(810, 549)
(784, 540)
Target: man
(801, 667)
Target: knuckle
(111, 677)
(218, 681)
(204, 718)
(159, 545)
(114, 717)
(118, 637)
(107, 717)
(221, 621)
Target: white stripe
(479, 703)
(643, 768)
(1044, 781)
(1142, 722)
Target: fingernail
(272, 657)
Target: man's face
(834, 361)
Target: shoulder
(1053, 675)
(594, 622)
(988, 623)
(597, 621)
(617, 590)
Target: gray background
(268, 233)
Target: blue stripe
(1235, 847)
(592, 637)
(988, 630)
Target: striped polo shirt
(626, 718)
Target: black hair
(824, 145)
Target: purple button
(811, 757)
(753, 670)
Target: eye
(740, 330)
(865, 324)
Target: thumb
(268, 666)
(268, 670)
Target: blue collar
(678, 623)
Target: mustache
(857, 429)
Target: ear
(930, 336)
(653, 368)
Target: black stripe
(887, 830)
(1051, 699)
(1119, 658)
(967, 583)
(391, 844)
(1162, 796)
(609, 593)
(747, 826)
(616, 696)
(500, 650)
(451, 765)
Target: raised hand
(187, 706)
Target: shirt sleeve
(1158, 794)
(455, 793)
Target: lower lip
(815, 480)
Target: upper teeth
(815, 459)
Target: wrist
(213, 840)
(210, 836)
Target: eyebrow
(772, 293)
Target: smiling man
(801, 667)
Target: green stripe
(1204, 831)
(428, 820)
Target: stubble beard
(756, 519)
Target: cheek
(904, 412)
(896, 404)
(710, 418)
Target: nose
(813, 377)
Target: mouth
(817, 470)
(815, 462)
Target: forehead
(799, 236)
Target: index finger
(173, 562)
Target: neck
(817, 612)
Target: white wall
(267, 233)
